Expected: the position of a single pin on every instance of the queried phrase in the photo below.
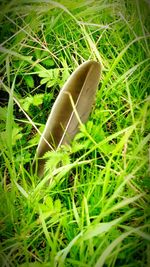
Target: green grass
(93, 211)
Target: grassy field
(94, 209)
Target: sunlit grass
(93, 209)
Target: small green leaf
(48, 62)
(3, 113)
(29, 81)
(57, 205)
(37, 99)
(37, 53)
(16, 134)
(49, 202)
(26, 102)
(44, 80)
(51, 83)
(43, 207)
(55, 159)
